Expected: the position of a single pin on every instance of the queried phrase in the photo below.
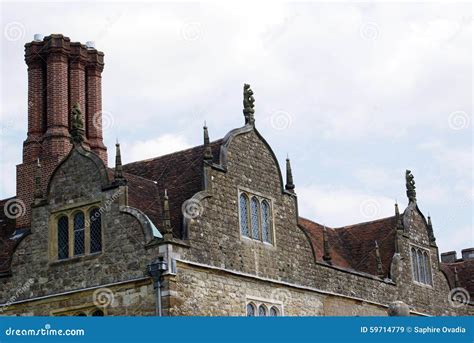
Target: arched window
(79, 229)
(254, 217)
(266, 222)
(421, 266)
(421, 269)
(274, 312)
(95, 230)
(250, 310)
(426, 261)
(414, 262)
(63, 238)
(262, 311)
(244, 215)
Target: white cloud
(371, 101)
(141, 150)
(338, 206)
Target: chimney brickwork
(60, 74)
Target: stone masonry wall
(205, 292)
(215, 237)
(78, 182)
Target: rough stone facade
(211, 268)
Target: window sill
(256, 241)
(75, 259)
(423, 284)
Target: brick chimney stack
(61, 73)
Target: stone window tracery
(76, 233)
(421, 266)
(255, 215)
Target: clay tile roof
(180, 173)
(353, 246)
(465, 270)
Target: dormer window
(256, 221)
(73, 235)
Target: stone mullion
(70, 228)
(87, 231)
(259, 216)
(249, 216)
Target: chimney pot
(468, 254)
(448, 257)
(38, 37)
(90, 44)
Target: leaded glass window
(421, 266)
(414, 262)
(79, 230)
(274, 312)
(262, 311)
(428, 268)
(421, 275)
(95, 230)
(250, 310)
(244, 215)
(63, 238)
(266, 222)
(254, 217)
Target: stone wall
(215, 237)
(209, 292)
(126, 299)
(78, 181)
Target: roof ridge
(347, 226)
(173, 153)
(364, 223)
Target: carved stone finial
(249, 106)
(207, 146)
(118, 175)
(431, 232)
(327, 251)
(290, 186)
(398, 218)
(38, 191)
(378, 260)
(167, 228)
(77, 124)
(410, 184)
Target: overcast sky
(354, 93)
